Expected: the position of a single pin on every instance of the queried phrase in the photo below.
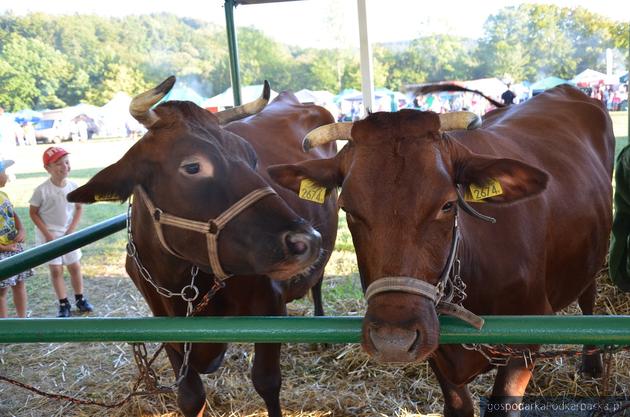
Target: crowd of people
(53, 217)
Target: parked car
(53, 130)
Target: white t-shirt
(56, 212)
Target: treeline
(55, 61)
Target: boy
(55, 217)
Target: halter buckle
(213, 228)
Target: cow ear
(324, 172)
(113, 183)
(517, 180)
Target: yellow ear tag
(312, 191)
(479, 193)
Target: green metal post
(233, 49)
(37, 256)
(595, 330)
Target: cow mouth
(392, 351)
(292, 268)
(395, 333)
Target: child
(11, 238)
(54, 217)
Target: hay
(337, 380)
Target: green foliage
(528, 41)
(51, 61)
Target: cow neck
(210, 228)
(449, 292)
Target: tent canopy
(592, 77)
(314, 96)
(547, 83)
(184, 93)
(226, 98)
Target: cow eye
(448, 206)
(191, 168)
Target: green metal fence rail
(595, 330)
(37, 256)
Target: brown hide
(276, 136)
(553, 155)
(253, 246)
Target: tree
(31, 74)
(531, 41)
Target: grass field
(333, 381)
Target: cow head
(189, 167)
(398, 176)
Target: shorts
(12, 281)
(67, 259)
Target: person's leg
(4, 312)
(56, 276)
(76, 278)
(20, 298)
(77, 284)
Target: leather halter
(436, 293)
(210, 228)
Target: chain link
(500, 355)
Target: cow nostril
(414, 344)
(296, 244)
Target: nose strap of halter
(211, 228)
(435, 293)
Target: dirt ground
(336, 380)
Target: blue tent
(547, 83)
(184, 93)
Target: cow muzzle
(304, 245)
(302, 248)
(404, 329)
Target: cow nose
(296, 244)
(394, 344)
(303, 243)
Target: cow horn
(459, 120)
(247, 109)
(140, 107)
(327, 133)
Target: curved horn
(459, 120)
(327, 133)
(140, 107)
(247, 109)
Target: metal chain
(500, 355)
(132, 252)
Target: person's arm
(33, 211)
(78, 211)
(21, 235)
(8, 248)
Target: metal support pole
(593, 330)
(233, 49)
(367, 78)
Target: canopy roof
(226, 98)
(547, 83)
(590, 77)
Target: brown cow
(204, 217)
(401, 176)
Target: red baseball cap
(53, 153)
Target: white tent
(592, 77)
(226, 98)
(115, 116)
(320, 97)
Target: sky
(323, 23)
